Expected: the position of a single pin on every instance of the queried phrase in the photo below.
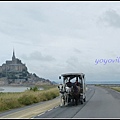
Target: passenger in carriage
(69, 83)
(76, 82)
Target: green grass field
(15, 100)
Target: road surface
(100, 103)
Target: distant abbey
(15, 72)
(13, 66)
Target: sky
(53, 38)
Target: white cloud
(111, 18)
(37, 56)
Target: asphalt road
(100, 103)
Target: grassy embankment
(117, 88)
(33, 95)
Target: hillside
(23, 78)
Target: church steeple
(13, 57)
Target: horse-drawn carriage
(73, 88)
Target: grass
(117, 88)
(15, 100)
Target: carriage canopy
(70, 76)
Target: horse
(75, 93)
(62, 92)
(68, 94)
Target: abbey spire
(13, 57)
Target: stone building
(14, 65)
(15, 72)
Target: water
(14, 89)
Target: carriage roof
(73, 74)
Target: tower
(13, 57)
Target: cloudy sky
(53, 38)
